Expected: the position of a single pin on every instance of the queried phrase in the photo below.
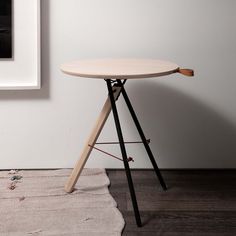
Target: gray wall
(191, 121)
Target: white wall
(191, 121)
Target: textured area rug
(37, 204)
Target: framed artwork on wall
(5, 28)
(20, 44)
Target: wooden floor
(199, 203)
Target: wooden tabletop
(119, 68)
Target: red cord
(111, 155)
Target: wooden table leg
(91, 141)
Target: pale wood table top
(120, 68)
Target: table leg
(91, 141)
(124, 154)
(144, 140)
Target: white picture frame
(23, 70)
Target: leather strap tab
(186, 72)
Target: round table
(119, 68)
(116, 72)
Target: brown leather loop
(186, 72)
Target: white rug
(39, 205)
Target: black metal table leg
(144, 140)
(124, 155)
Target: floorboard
(197, 202)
